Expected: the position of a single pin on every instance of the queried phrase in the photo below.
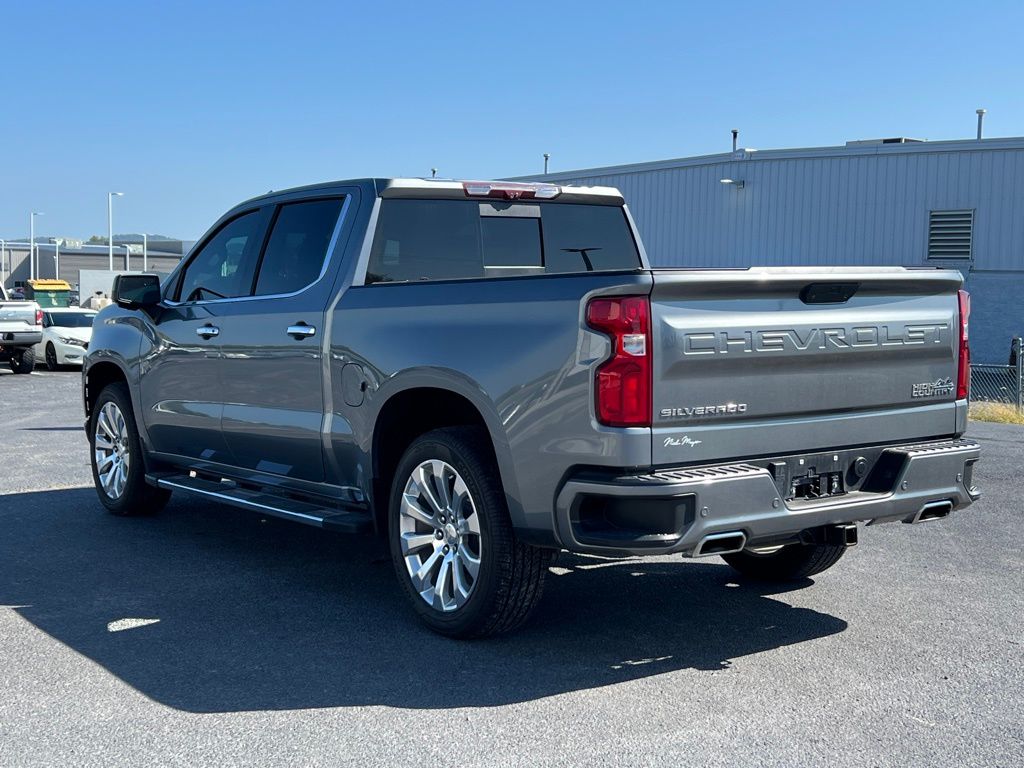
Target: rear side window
(297, 248)
(420, 240)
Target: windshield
(72, 319)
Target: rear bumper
(692, 504)
(20, 338)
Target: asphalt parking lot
(208, 636)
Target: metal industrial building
(944, 203)
(73, 259)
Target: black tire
(24, 360)
(51, 357)
(510, 579)
(138, 497)
(791, 563)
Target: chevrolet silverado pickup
(486, 373)
(21, 328)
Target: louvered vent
(949, 234)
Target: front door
(181, 383)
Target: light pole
(145, 252)
(127, 253)
(547, 156)
(32, 243)
(56, 258)
(110, 227)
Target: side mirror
(136, 291)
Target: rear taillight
(623, 382)
(39, 317)
(963, 371)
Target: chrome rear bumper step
(351, 520)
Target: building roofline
(922, 147)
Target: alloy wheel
(111, 451)
(440, 535)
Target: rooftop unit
(874, 142)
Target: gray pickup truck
(21, 328)
(486, 373)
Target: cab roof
(454, 189)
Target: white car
(66, 335)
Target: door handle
(301, 331)
(208, 331)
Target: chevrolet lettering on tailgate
(816, 339)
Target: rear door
(765, 362)
(271, 344)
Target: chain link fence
(1001, 383)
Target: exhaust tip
(933, 510)
(720, 544)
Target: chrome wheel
(110, 450)
(440, 542)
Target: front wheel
(24, 360)
(118, 471)
(452, 543)
(789, 563)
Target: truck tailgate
(769, 361)
(18, 316)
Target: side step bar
(352, 520)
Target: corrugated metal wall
(825, 206)
(71, 262)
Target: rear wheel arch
(414, 411)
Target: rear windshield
(420, 240)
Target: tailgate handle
(828, 293)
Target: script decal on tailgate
(932, 388)
(681, 442)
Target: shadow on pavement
(76, 428)
(258, 615)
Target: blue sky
(189, 108)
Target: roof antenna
(981, 119)
(547, 156)
(735, 136)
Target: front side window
(225, 265)
(297, 247)
(419, 240)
